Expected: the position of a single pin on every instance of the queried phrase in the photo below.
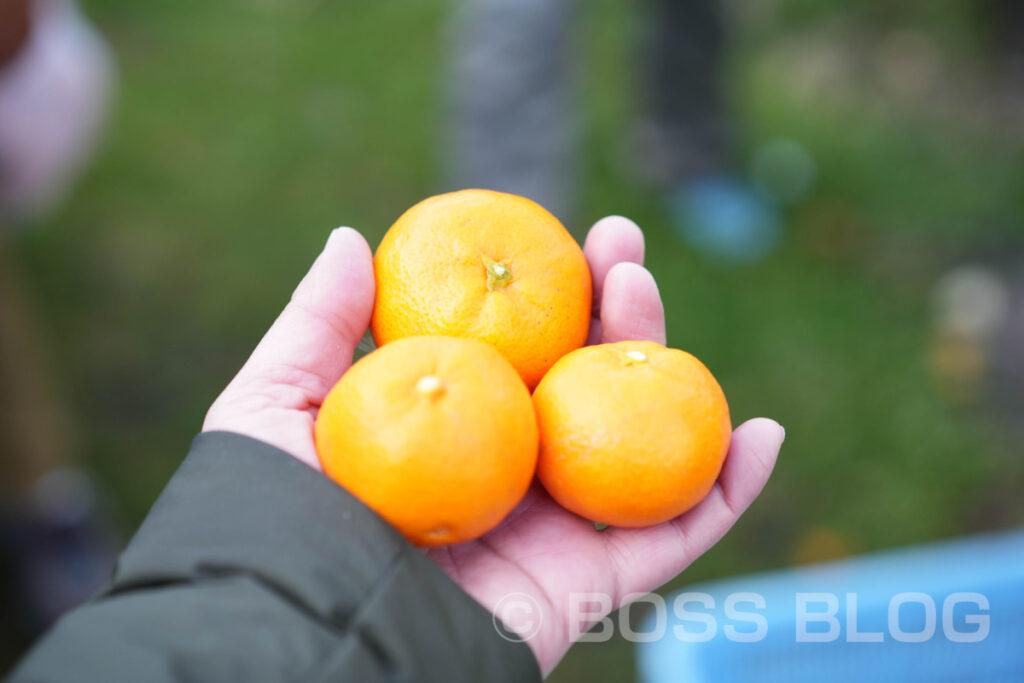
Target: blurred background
(877, 147)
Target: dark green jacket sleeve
(253, 567)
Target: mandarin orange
(487, 265)
(436, 434)
(631, 434)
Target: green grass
(245, 131)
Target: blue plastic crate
(903, 581)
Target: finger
(311, 343)
(647, 558)
(611, 240)
(631, 309)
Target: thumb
(311, 343)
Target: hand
(540, 549)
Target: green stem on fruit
(499, 273)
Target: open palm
(540, 551)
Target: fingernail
(783, 430)
(334, 233)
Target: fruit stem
(499, 274)
(634, 357)
(430, 386)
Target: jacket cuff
(240, 506)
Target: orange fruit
(631, 434)
(436, 434)
(492, 266)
